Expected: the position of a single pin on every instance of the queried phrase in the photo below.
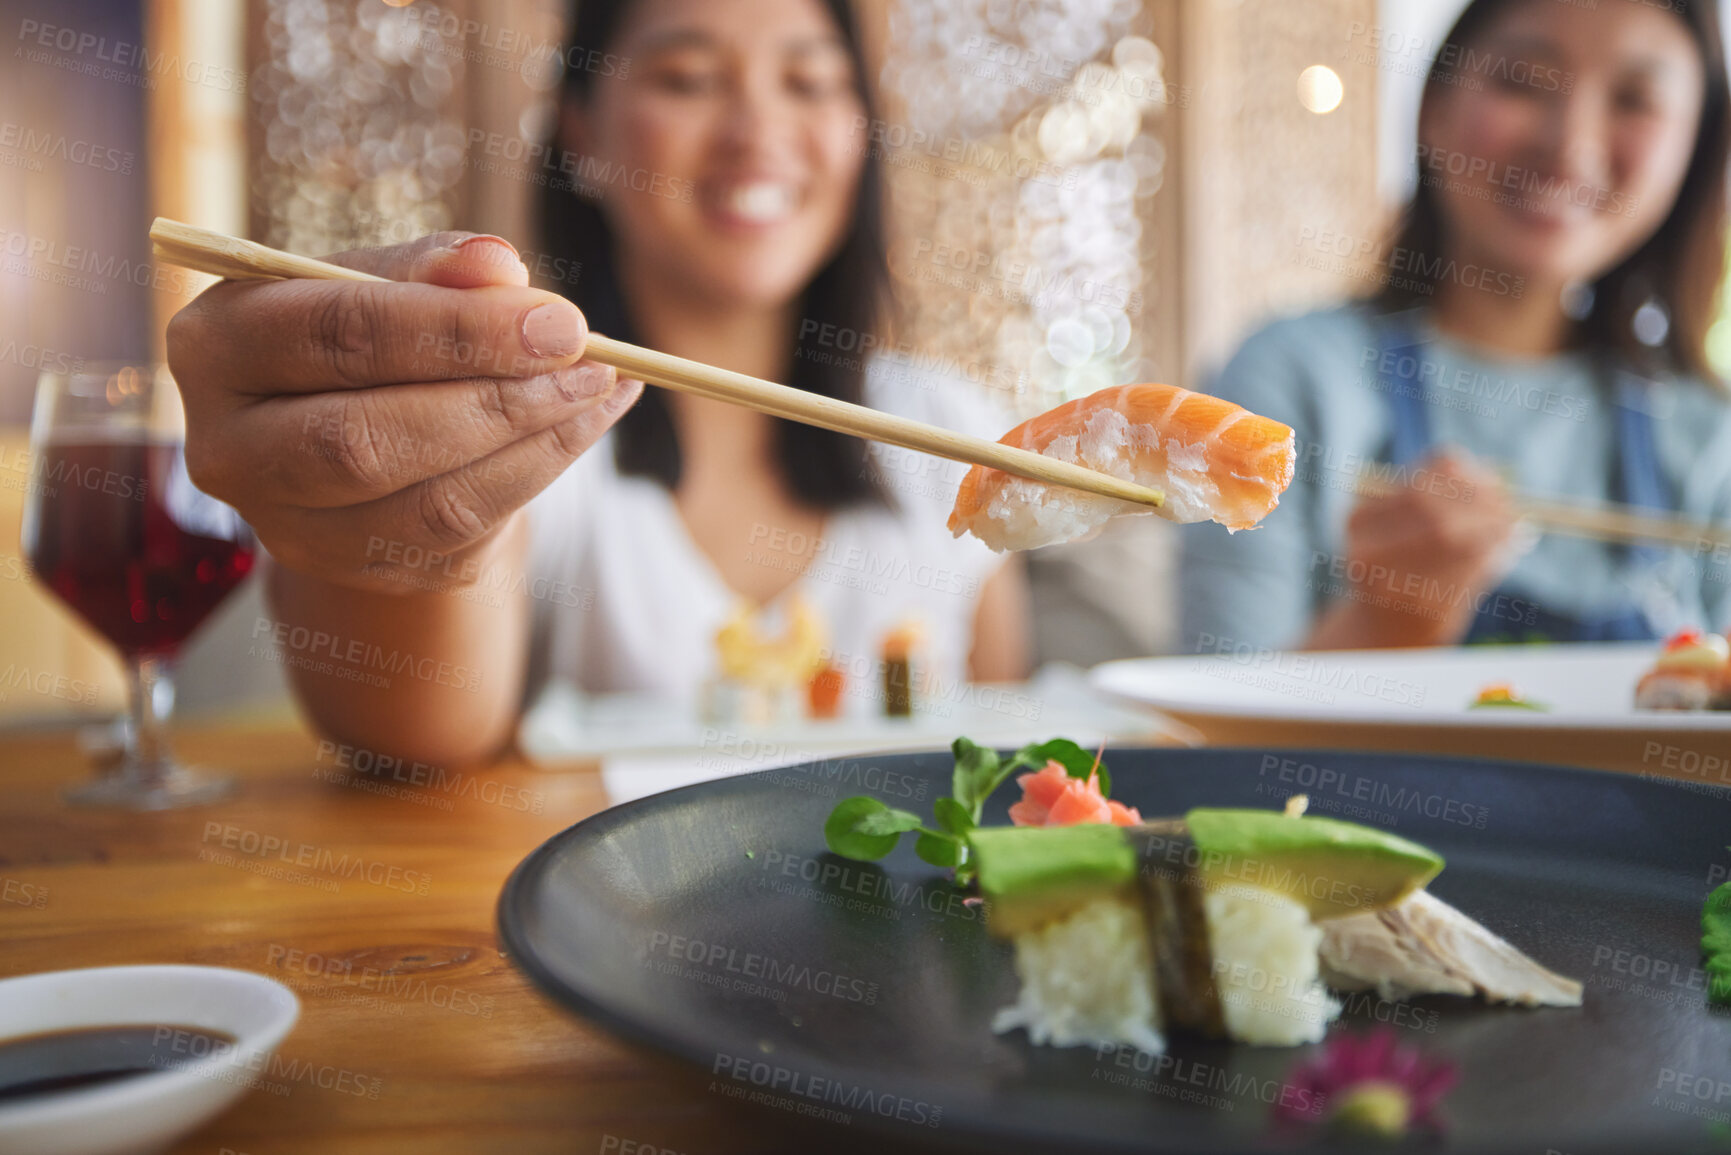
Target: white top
(625, 601)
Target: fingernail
(466, 241)
(584, 380)
(625, 396)
(497, 250)
(553, 330)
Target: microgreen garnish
(1716, 943)
(863, 828)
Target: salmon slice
(1214, 460)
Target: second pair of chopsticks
(218, 253)
(1623, 524)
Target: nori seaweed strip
(1171, 893)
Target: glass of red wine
(116, 529)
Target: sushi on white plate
(1692, 672)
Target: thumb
(454, 260)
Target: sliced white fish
(1423, 946)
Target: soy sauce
(43, 1064)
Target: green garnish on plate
(1716, 943)
(865, 829)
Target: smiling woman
(768, 229)
(1540, 325)
(1576, 152)
(770, 203)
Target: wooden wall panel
(1262, 175)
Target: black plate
(710, 922)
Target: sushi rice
(1030, 511)
(1266, 962)
(1088, 979)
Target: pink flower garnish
(1370, 1083)
(1051, 797)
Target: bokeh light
(1051, 113)
(1320, 89)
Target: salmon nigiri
(1213, 459)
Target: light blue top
(1547, 424)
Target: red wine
(104, 540)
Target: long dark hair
(1679, 267)
(821, 469)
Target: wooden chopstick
(1625, 524)
(1622, 523)
(226, 256)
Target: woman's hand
(1420, 559)
(362, 428)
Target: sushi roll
(1207, 926)
(1214, 461)
(1693, 672)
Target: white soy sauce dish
(125, 1060)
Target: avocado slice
(1031, 875)
(1335, 868)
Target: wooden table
(415, 1032)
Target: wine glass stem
(148, 760)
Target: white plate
(563, 724)
(1585, 687)
(648, 746)
(146, 1112)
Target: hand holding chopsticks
(1624, 524)
(238, 259)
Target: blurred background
(1083, 192)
